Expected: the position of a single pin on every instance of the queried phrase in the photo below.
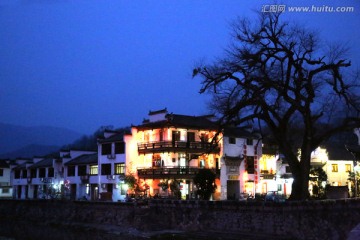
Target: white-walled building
(240, 168)
(5, 185)
(112, 165)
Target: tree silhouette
(278, 74)
(204, 181)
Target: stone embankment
(330, 219)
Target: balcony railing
(178, 146)
(171, 172)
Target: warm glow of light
(245, 176)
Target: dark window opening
(42, 172)
(17, 174)
(119, 147)
(24, 173)
(250, 168)
(161, 135)
(191, 137)
(51, 172)
(106, 169)
(175, 136)
(33, 173)
(232, 140)
(106, 149)
(71, 171)
(249, 141)
(82, 170)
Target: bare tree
(277, 74)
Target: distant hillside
(30, 151)
(13, 138)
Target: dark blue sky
(83, 64)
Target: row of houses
(164, 148)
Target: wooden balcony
(171, 172)
(267, 175)
(178, 146)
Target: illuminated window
(334, 167)
(94, 169)
(123, 188)
(87, 190)
(120, 168)
(348, 167)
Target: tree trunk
(300, 186)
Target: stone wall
(330, 219)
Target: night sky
(84, 64)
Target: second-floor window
(249, 141)
(190, 136)
(82, 170)
(17, 174)
(348, 167)
(51, 172)
(24, 173)
(334, 167)
(94, 170)
(42, 172)
(106, 169)
(71, 171)
(175, 136)
(106, 149)
(33, 173)
(1, 172)
(232, 140)
(120, 168)
(119, 147)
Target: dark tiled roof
(119, 137)
(181, 121)
(270, 150)
(239, 132)
(337, 152)
(84, 159)
(158, 111)
(47, 162)
(4, 164)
